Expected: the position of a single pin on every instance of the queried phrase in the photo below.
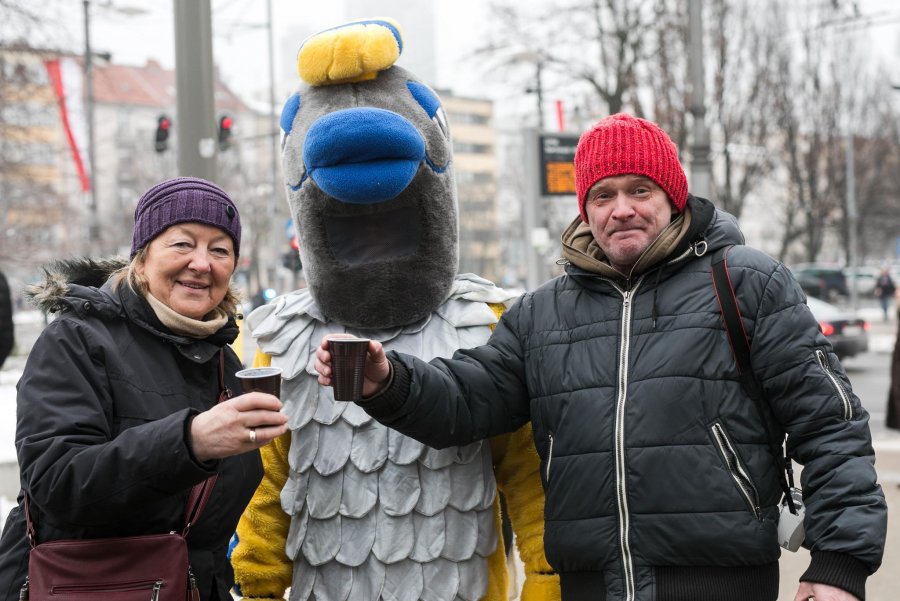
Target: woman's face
(188, 267)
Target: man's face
(626, 214)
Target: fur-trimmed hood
(70, 278)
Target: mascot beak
(363, 155)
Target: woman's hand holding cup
(242, 423)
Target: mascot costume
(348, 509)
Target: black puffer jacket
(659, 483)
(104, 405)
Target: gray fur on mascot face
(371, 189)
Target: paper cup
(261, 379)
(348, 364)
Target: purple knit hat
(180, 200)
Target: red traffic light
(161, 141)
(225, 123)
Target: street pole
(195, 108)
(272, 112)
(276, 231)
(532, 211)
(701, 167)
(539, 92)
(852, 220)
(93, 225)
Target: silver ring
(252, 435)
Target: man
(7, 338)
(884, 291)
(659, 481)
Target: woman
(117, 414)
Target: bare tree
(596, 45)
(807, 110)
(29, 200)
(741, 99)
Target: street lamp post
(701, 167)
(538, 91)
(93, 225)
(194, 89)
(852, 219)
(534, 58)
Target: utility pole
(539, 91)
(274, 125)
(93, 225)
(195, 114)
(701, 166)
(533, 218)
(852, 218)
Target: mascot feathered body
(349, 509)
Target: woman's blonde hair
(140, 285)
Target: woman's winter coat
(104, 410)
(659, 481)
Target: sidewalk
(882, 586)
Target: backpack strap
(740, 346)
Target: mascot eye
(441, 119)
(288, 113)
(429, 101)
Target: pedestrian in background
(884, 291)
(7, 332)
(117, 414)
(660, 482)
(893, 405)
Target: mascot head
(367, 162)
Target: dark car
(827, 282)
(847, 333)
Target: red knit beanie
(621, 144)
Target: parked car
(821, 281)
(865, 278)
(848, 334)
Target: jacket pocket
(736, 468)
(543, 439)
(843, 395)
(549, 456)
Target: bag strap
(740, 346)
(201, 492)
(198, 496)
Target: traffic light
(163, 125)
(291, 259)
(225, 124)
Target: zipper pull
(192, 586)
(154, 595)
(23, 592)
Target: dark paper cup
(348, 363)
(261, 379)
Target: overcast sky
(240, 41)
(240, 36)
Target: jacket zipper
(822, 360)
(152, 585)
(736, 469)
(621, 397)
(549, 456)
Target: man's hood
(699, 221)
